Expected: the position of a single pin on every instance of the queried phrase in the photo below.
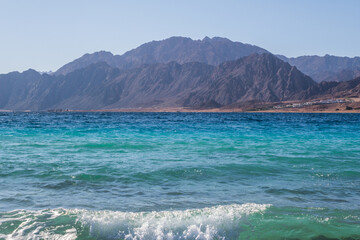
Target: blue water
(179, 176)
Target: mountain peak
(86, 60)
(220, 39)
(99, 54)
(211, 51)
(206, 39)
(31, 71)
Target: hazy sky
(45, 34)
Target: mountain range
(178, 72)
(214, 51)
(327, 68)
(178, 49)
(99, 86)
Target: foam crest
(206, 223)
(218, 222)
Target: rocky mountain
(87, 60)
(212, 51)
(21, 90)
(327, 68)
(260, 77)
(346, 89)
(33, 91)
(256, 77)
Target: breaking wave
(218, 222)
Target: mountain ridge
(178, 72)
(327, 68)
(345, 89)
(99, 86)
(212, 51)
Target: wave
(218, 222)
(245, 221)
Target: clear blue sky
(45, 34)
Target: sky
(46, 34)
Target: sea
(179, 176)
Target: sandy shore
(232, 110)
(349, 107)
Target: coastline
(344, 107)
(185, 111)
(221, 110)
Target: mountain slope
(346, 89)
(327, 68)
(87, 60)
(256, 77)
(22, 90)
(215, 51)
(212, 51)
(100, 86)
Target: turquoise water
(179, 176)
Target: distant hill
(212, 51)
(260, 77)
(346, 89)
(327, 68)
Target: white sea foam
(203, 223)
(218, 222)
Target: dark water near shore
(179, 176)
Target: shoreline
(263, 107)
(218, 110)
(213, 110)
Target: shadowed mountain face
(257, 77)
(327, 68)
(21, 90)
(212, 51)
(32, 91)
(100, 86)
